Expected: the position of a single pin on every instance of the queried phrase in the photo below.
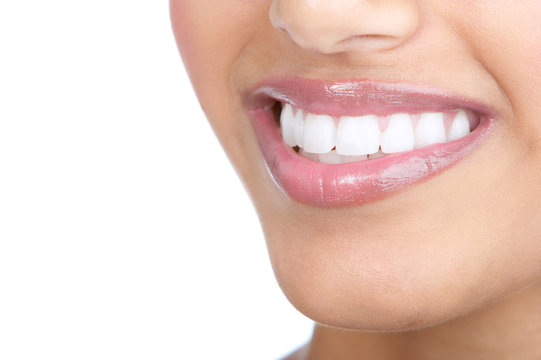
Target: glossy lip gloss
(323, 185)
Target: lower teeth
(334, 158)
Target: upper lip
(357, 97)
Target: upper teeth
(362, 135)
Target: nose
(335, 26)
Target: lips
(329, 179)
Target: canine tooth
(319, 134)
(298, 127)
(287, 123)
(460, 126)
(430, 130)
(330, 158)
(358, 135)
(399, 135)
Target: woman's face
(439, 221)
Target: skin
(449, 268)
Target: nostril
(370, 36)
(366, 37)
(331, 26)
(375, 41)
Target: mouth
(331, 144)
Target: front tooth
(430, 130)
(330, 158)
(287, 123)
(399, 135)
(319, 134)
(298, 126)
(358, 135)
(460, 127)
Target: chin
(377, 305)
(382, 285)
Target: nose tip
(338, 26)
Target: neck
(510, 329)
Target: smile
(337, 143)
(338, 140)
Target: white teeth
(330, 158)
(319, 134)
(348, 159)
(376, 155)
(308, 155)
(460, 127)
(430, 130)
(358, 135)
(399, 135)
(298, 125)
(324, 139)
(287, 123)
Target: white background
(124, 231)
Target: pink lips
(322, 185)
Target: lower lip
(322, 185)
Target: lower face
(437, 212)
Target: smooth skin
(447, 269)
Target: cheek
(210, 34)
(530, 38)
(204, 33)
(507, 41)
(198, 34)
(524, 55)
(505, 37)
